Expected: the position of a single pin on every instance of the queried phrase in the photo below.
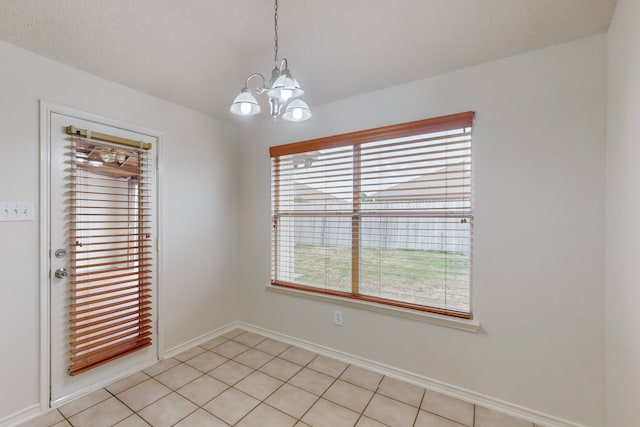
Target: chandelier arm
(283, 65)
(258, 89)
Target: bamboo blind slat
(80, 244)
(101, 278)
(97, 236)
(123, 221)
(113, 256)
(108, 349)
(90, 300)
(125, 208)
(109, 215)
(96, 338)
(106, 322)
(122, 303)
(123, 349)
(373, 174)
(87, 251)
(140, 306)
(138, 264)
(110, 233)
(112, 283)
(101, 193)
(96, 187)
(146, 227)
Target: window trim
(355, 139)
(369, 298)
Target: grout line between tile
(318, 397)
(424, 394)
(474, 414)
(297, 419)
(180, 420)
(65, 418)
(372, 396)
(367, 405)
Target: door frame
(46, 109)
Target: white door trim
(46, 108)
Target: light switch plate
(16, 211)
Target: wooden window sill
(468, 325)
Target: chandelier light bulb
(286, 94)
(245, 107)
(284, 88)
(297, 111)
(245, 104)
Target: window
(110, 229)
(382, 215)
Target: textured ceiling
(198, 52)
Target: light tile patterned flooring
(244, 379)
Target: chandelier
(283, 91)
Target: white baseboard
(470, 396)
(20, 416)
(201, 339)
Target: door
(102, 226)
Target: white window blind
(383, 215)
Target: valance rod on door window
(72, 130)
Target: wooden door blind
(110, 236)
(382, 215)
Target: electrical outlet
(337, 318)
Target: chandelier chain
(275, 37)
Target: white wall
(539, 239)
(539, 242)
(198, 202)
(623, 213)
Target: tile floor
(244, 379)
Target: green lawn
(432, 278)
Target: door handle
(61, 273)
